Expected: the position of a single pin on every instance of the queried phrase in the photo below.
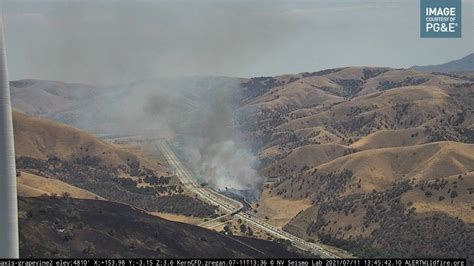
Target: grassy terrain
(377, 161)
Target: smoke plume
(203, 123)
(197, 115)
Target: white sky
(104, 42)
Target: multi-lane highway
(232, 207)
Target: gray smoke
(202, 120)
(114, 42)
(197, 114)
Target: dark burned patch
(108, 184)
(59, 227)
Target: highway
(232, 207)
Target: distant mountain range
(461, 65)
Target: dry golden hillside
(304, 157)
(30, 185)
(59, 155)
(283, 112)
(391, 138)
(398, 108)
(441, 198)
(379, 169)
(42, 139)
(372, 160)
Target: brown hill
(379, 169)
(398, 108)
(30, 185)
(42, 139)
(443, 200)
(391, 138)
(304, 157)
(72, 164)
(379, 99)
(72, 156)
(375, 152)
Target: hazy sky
(115, 41)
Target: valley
(75, 204)
(354, 161)
(232, 132)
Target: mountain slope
(71, 165)
(41, 138)
(382, 99)
(58, 228)
(30, 185)
(379, 169)
(118, 110)
(464, 64)
(52, 99)
(391, 138)
(372, 159)
(305, 157)
(69, 155)
(377, 161)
